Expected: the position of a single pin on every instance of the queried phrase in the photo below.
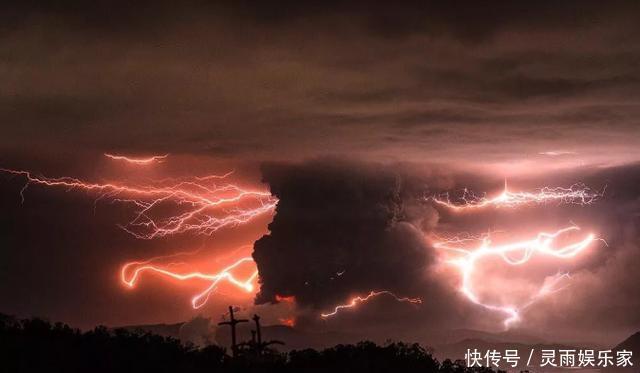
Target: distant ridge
(165, 330)
(632, 343)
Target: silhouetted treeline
(35, 345)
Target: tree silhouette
(35, 345)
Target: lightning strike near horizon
(542, 244)
(358, 299)
(131, 272)
(137, 161)
(577, 193)
(201, 205)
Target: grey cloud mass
(232, 80)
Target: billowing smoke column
(341, 230)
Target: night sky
(352, 115)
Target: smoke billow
(342, 229)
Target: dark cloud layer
(444, 81)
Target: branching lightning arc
(204, 208)
(542, 244)
(131, 276)
(575, 194)
(359, 299)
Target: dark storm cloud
(454, 78)
(345, 228)
(341, 229)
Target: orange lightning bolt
(131, 272)
(137, 161)
(203, 207)
(357, 300)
